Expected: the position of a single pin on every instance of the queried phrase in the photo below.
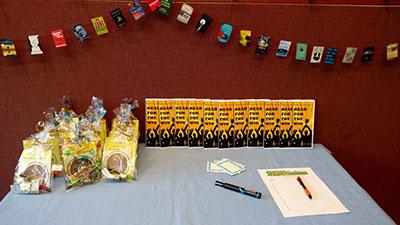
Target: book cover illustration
(241, 122)
(349, 55)
(286, 112)
(283, 48)
(210, 124)
(316, 55)
(152, 123)
(167, 124)
(272, 124)
(226, 124)
(303, 123)
(330, 57)
(196, 123)
(256, 123)
(301, 51)
(181, 122)
(392, 51)
(367, 54)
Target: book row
(229, 123)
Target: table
(173, 187)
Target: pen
(242, 190)
(304, 187)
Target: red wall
(358, 105)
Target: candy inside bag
(120, 150)
(82, 144)
(33, 174)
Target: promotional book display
(230, 123)
(72, 145)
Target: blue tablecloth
(173, 187)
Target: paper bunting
(367, 54)
(58, 38)
(245, 36)
(301, 51)
(165, 7)
(80, 33)
(136, 10)
(185, 13)
(349, 55)
(224, 33)
(118, 17)
(34, 45)
(203, 23)
(99, 25)
(283, 48)
(153, 4)
(316, 55)
(331, 56)
(392, 51)
(262, 44)
(8, 48)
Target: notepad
(290, 197)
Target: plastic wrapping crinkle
(121, 146)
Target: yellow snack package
(121, 146)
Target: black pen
(242, 190)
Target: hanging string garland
(223, 36)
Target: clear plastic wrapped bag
(121, 146)
(33, 174)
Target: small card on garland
(367, 54)
(99, 25)
(283, 48)
(8, 47)
(153, 4)
(316, 55)
(245, 36)
(185, 13)
(58, 38)
(262, 44)
(349, 55)
(224, 33)
(331, 56)
(165, 7)
(34, 45)
(80, 33)
(203, 23)
(392, 51)
(301, 51)
(118, 17)
(136, 9)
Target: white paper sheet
(291, 199)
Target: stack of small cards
(225, 166)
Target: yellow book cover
(303, 123)
(256, 123)
(226, 121)
(152, 123)
(392, 51)
(181, 122)
(167, 123)
(241, 108)
(271, 124)
(286, 111)
(210, 124)
(196, 123)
